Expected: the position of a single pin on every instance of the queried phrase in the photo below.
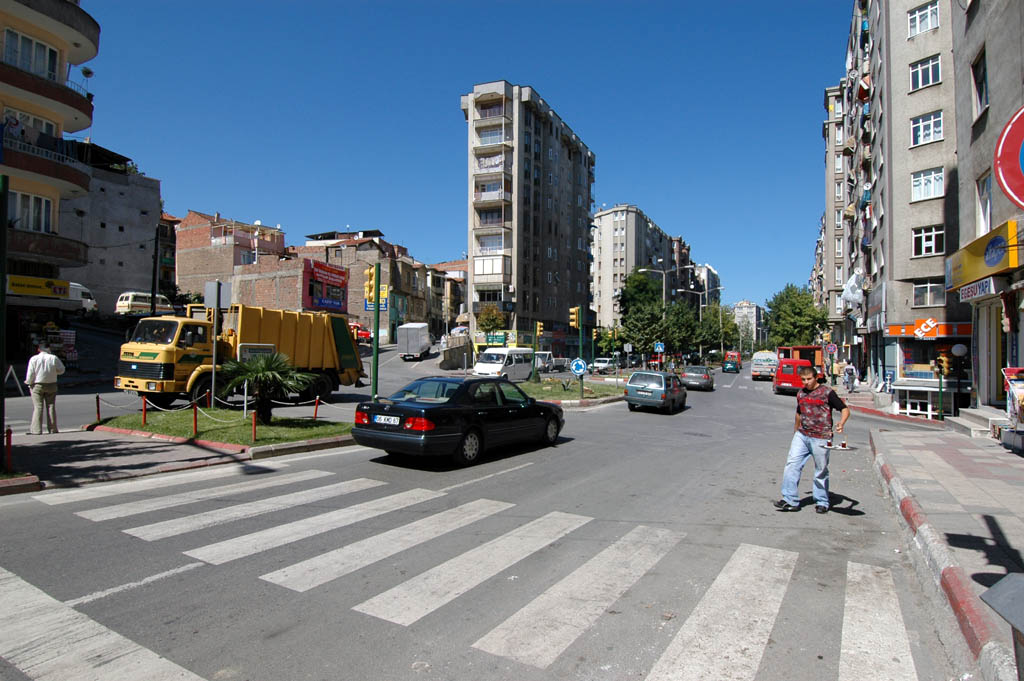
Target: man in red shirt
(813, 430)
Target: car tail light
(663, 396)
(362, 418)
(706, 377)
(625, 391)
(418, 423)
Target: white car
(604, 365)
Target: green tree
(607, 343)
(680, 328)
(639, 289)
(643, 327)
(271, 377)
(718, 328)
(793, 318)
(490, 319)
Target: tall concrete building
(833, 250)
(749, 318)
(984, 272)
(43, 40)
(529, 213)
(626, 239)
(902, 213)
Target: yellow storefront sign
(992, 253)
(37, 286)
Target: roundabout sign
(1008, 161)
(578, 367)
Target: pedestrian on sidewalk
(850, 377)
(41, 378)
(812, 432)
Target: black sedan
(455, 416)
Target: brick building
(209, 247)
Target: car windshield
(155, 331)
(642, 380)
(492, 358)
(427, 390)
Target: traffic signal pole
(376, 328)
(579, 327)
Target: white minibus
(515, 364)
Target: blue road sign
(659, 347)
(578, 367)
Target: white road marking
(342, 561)
(875, 643)
(172, 500)
(273, 537)
(100, 490)
(738, 612)
(541, 631)
(82, 600)
(331, 452)
(49, 641)
(484, 477)
(428, 591)
(219, 516)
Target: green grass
(551, 389)
(238, 431)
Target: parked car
(700, 377)
(559, 363)
(604, 365)
(787, 378)
(456, 416)
(360, 332)
(657, 389)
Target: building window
(839, 275)
(927, 184)
(839, 191)
(929, 294)
(27, 119)
(924, 73)
(923, 18)
(979, 73)
(29, 212)
(839, 135)
(984, 205)
(929, 240)
(839, 304)
(30, 55)
(839, 246)
(839, 219)
(839, 163)
(926, 128)
(838, 107)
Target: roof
(449, 265)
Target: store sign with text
(37, 286)
(980, 289)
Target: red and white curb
(977, 624)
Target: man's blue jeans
(800, 449)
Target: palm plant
(270, 377)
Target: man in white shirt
(41, 378)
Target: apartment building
(529, 185)
(833, 250)
(626, 239)
(709, 284)
(985, 272)
(902, 209)
(43, 99)
(750, 321)
(208, 247)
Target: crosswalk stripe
(875, 643)
(273, 537)
(737, 611)
(100, 490)
(47, 641)
(421, 595)
(339, 562)
(219, 516)
(541, 631)
(172, 500)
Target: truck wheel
(324, 386)
(199, 390)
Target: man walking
(850, 377)
(41, 378)
(813, 430)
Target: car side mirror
(531, 401)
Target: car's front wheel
(551, 431)
(469, 449)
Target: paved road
(641, 546)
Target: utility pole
(3, 299)
(156, 260)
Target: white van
(545, 361)
(138, 303)
(78, 292)
(515, 364)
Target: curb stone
(938, 425)
(266, 451)
(976, 623)
(26, 483)
(586, 402)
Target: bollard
(209, 399)
(8, 461)
(195, 419)
(254, 427)
(97, 409)
(143, 410)
(316, 407)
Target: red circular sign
(1009, 159)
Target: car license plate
(644, 393)
(386, 420)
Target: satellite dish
(87, 72)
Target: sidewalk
(961, 502)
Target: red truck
(812, 353)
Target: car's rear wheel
(551, 431)
(469, 449)
(631, 406)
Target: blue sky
(319, 116)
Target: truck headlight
(117, 382)
(151, 386)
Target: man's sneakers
(821, 509)
(785, 506)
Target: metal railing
(26, 148)
(11, 59)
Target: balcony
(484, 250)
(32, 162)
(64, 19)
(493, 165)
(492, 144)
(46, 247)
(498, 278)
(494, 228)
(69, 101)
(492, 198)
(489, 118)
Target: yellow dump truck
(172, 357)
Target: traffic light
(574, 317)
(371, 282)
(597, 333)
(540, 328)
(943, 365)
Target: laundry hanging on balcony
(864, 88)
